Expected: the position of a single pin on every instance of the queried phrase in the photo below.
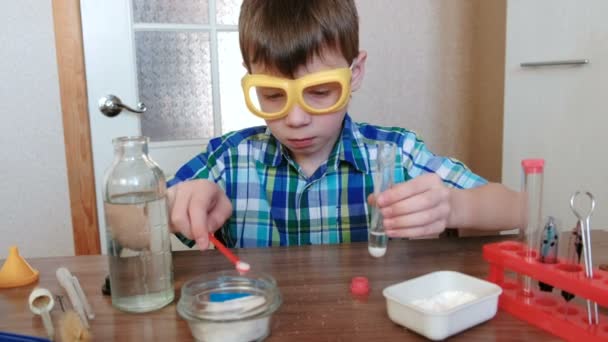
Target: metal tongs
(584, 220)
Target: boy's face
(310, 138)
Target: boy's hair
(283, 35)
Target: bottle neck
(131, 147)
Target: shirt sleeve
(206, 165)
(419, 160)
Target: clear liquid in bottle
(139, 252)
(137, 229)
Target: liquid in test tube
(383, 179)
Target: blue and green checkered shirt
(274, 203)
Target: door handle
(110, 105)
(555, 63)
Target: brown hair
(286, 34)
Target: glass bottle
(383, 179)
(137, 229)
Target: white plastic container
(440, 325)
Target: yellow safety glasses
(319, 93)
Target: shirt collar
(349, 149)
(273, 153)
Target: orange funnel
(16, 271)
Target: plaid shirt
(274, 203)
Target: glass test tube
(383, 179)
(530, 236)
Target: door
(176, 57)
(558, 112)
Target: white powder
(444, 301)
(242, 267)
(376, 252)
(253, 330)
(246, 330)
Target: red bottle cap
(533, 165)
(359, 286)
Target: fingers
(434, 228)
(208, 210)
(197, 212)
(415, 208)
(197, 208)
(408, 189)
(180, 221)
(420, 202)
(371, 200)
(220, 212)
(418, 219)
(171, 197)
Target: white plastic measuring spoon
(41, 302)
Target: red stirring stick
(241, 266)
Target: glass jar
(227, 306)
(137, 229)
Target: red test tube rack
(548, 311)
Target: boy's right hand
(197, 207)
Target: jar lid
(359, 286)
(228, 296)
(533, 165)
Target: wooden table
(314, 282)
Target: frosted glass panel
(235, 114)
(174, 78)
(174, 12)
(228, 11)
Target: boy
(307, 177)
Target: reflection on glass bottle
(137, 229)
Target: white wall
(558, 113)
(436, 67)
(34, 199)
(418, 69)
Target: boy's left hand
(419, 207)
